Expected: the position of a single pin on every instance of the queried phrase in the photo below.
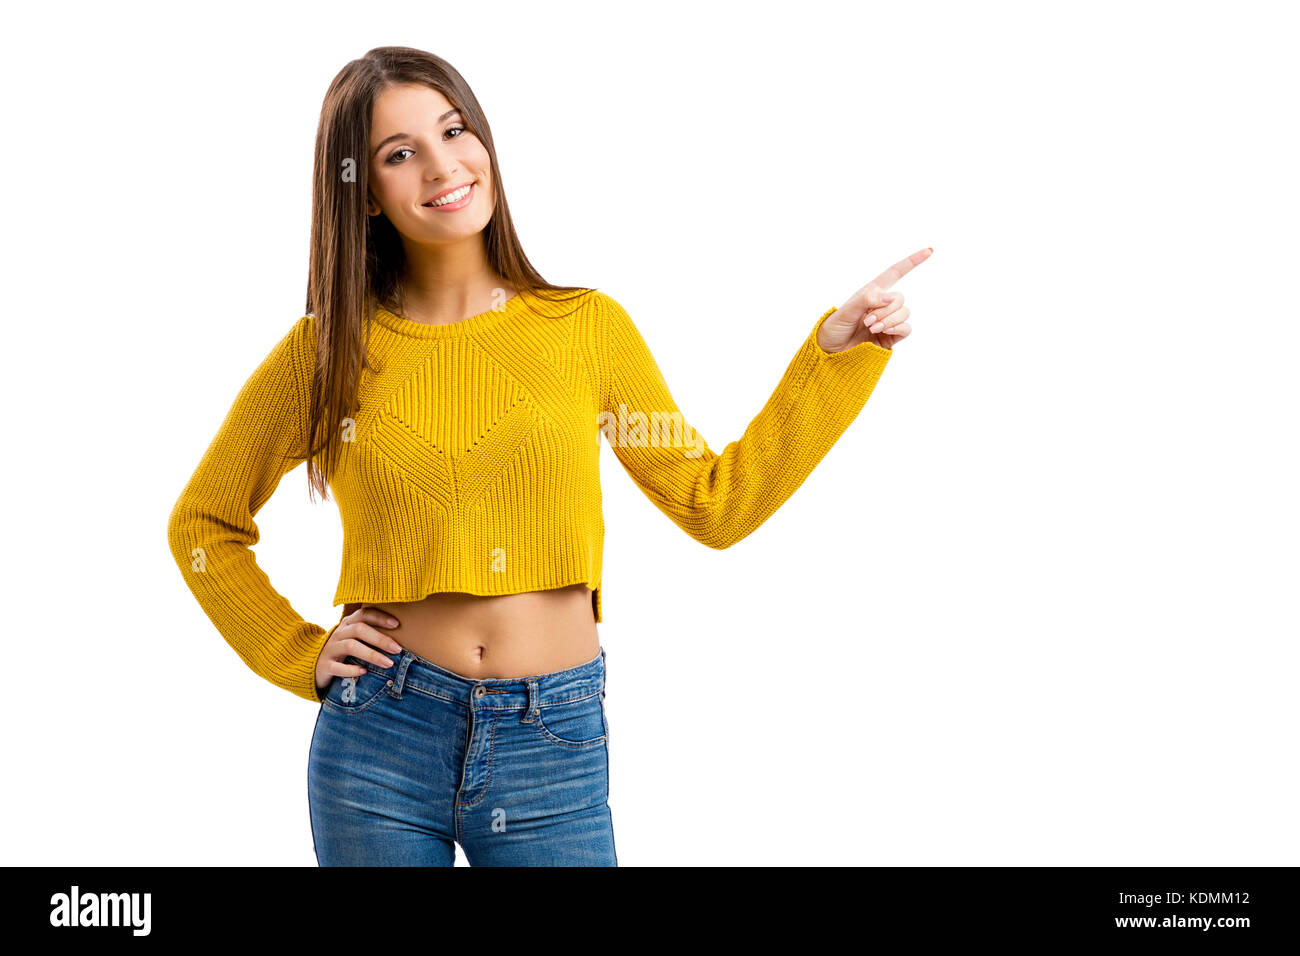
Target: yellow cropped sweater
(472, 463)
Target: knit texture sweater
(472, 463)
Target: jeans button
(479, 691)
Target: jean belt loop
(399, 678)
(530, 710)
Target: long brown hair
(356, 259)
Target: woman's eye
(460, 129)
(393, 157)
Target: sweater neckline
(424, 330)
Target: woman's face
(420, 149)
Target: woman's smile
(451, 200)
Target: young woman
(453, 401)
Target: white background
(1037, 606)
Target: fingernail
(887, 298)
(387, 662)
(878, 326)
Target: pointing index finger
(901, 268)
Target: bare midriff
(497, 636)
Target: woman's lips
(459, 204)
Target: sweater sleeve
(211, 528)
(718, 499)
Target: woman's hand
(872, 314)
(347, 639)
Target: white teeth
(458, 195)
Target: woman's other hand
(872, 314)
(355, 635)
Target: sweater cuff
(860, 364)
(304, 682)
(869, 346)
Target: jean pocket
(572, 723)
(351, 695)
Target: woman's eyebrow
(445, 116)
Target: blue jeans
(408, 760)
